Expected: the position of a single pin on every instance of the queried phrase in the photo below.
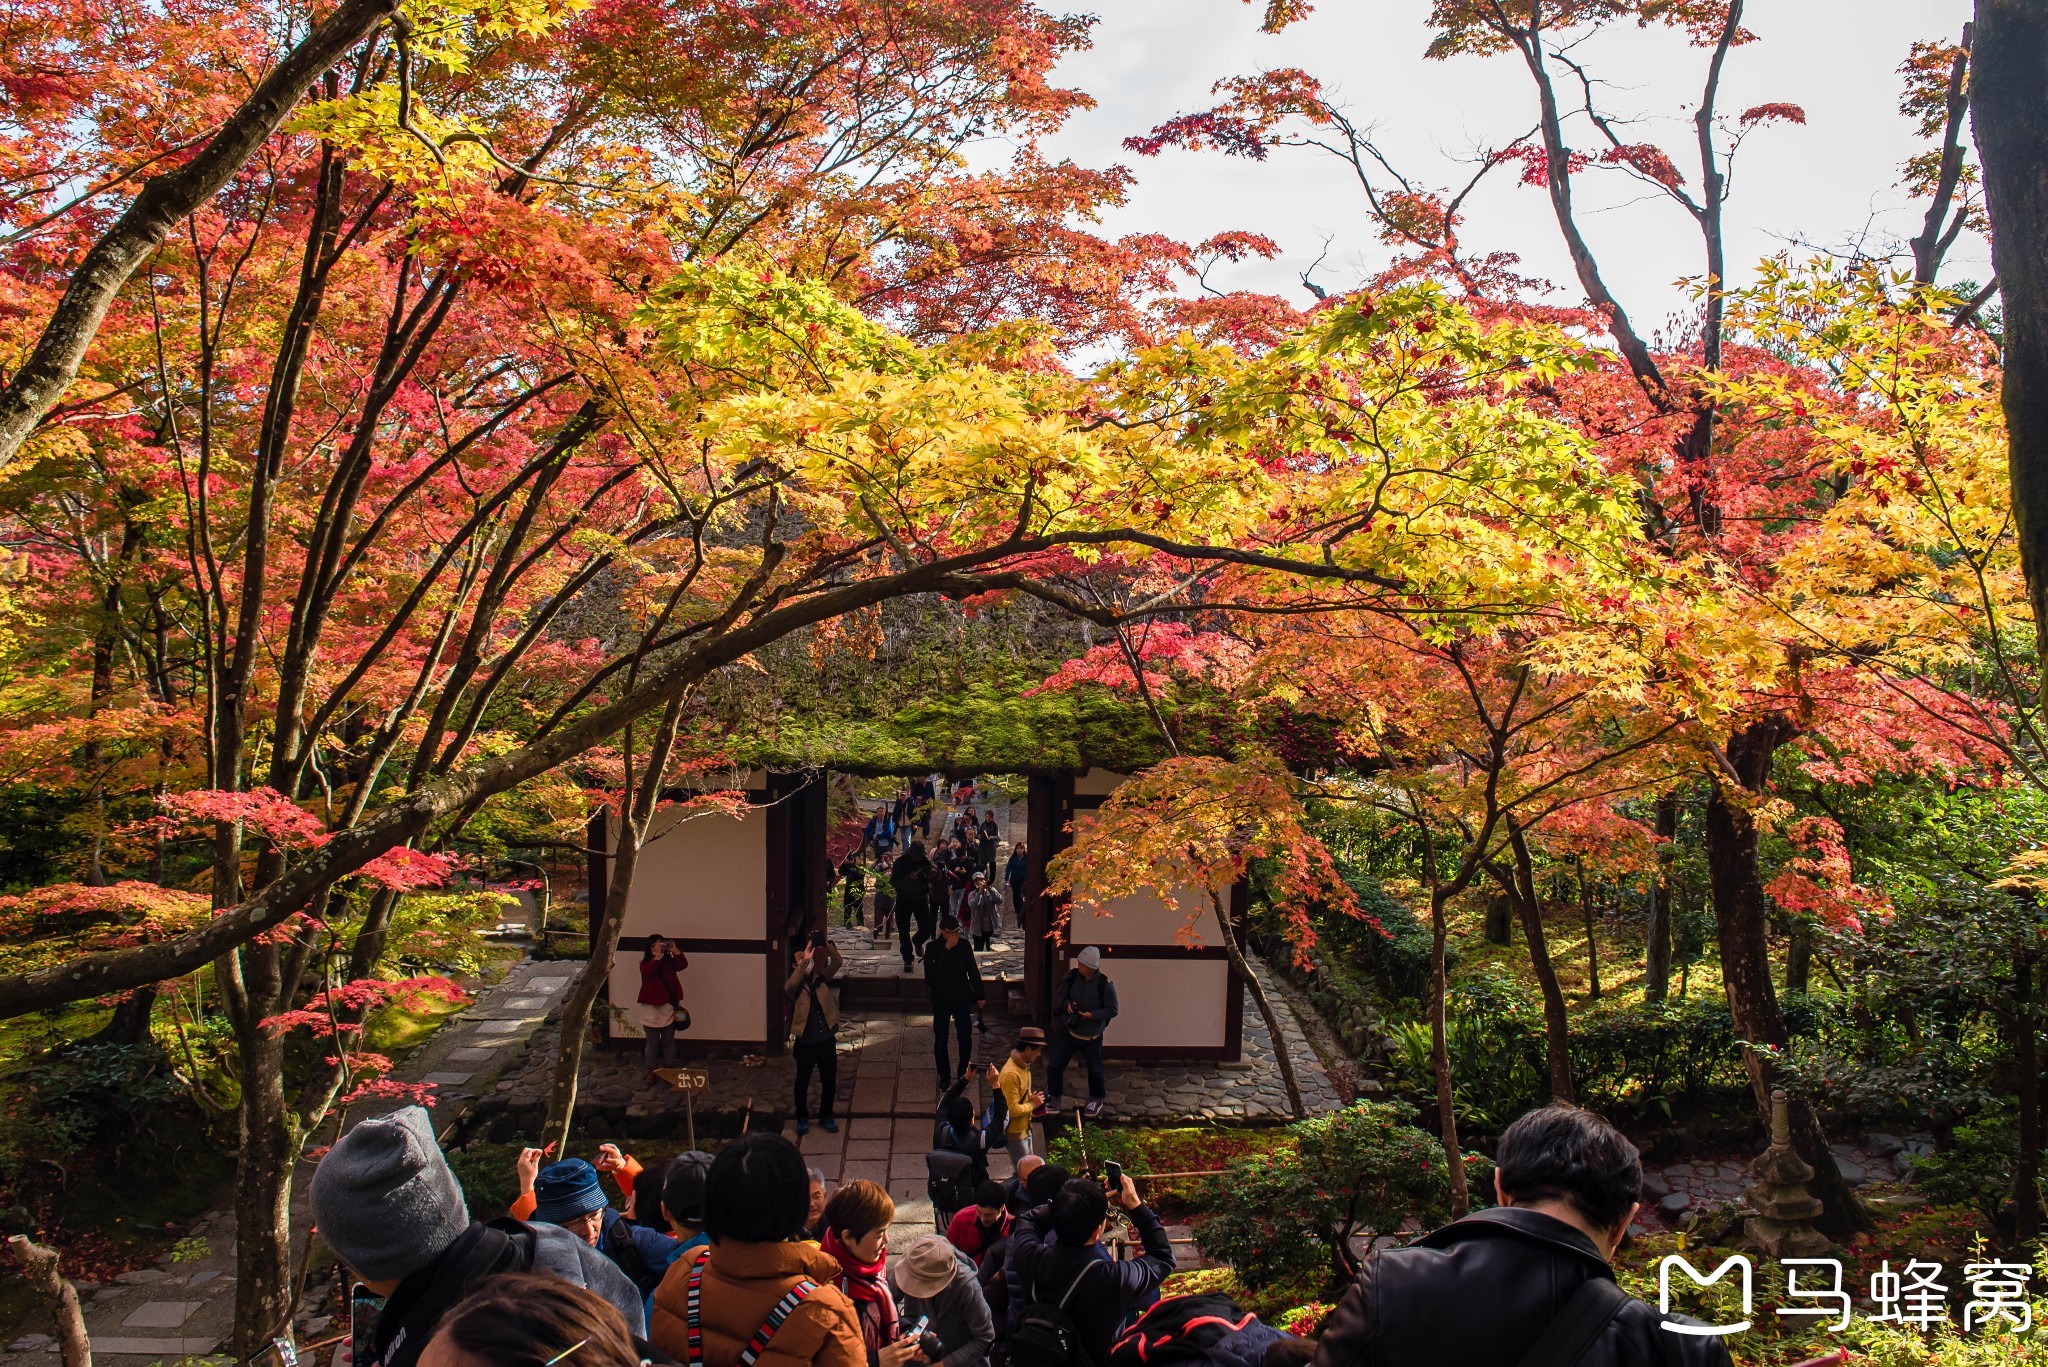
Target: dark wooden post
(1050, 806)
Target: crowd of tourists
(749, 1258)
(1084, 1004)
(915, 880)
(744, 1258)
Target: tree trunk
(41, 1265)
(582, 998)
(130, 1022)
(2026, 1168)
(1500, 920)
(1799, 955)
(1264, 1005)
(2008, 87)
(637, 805)
(1440, 1058)
(1592, 936)
(263, 1185)
(1742, 923)
(1657, 952)
(1557, 1037)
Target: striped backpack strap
(695, 1317)
(784, 1308)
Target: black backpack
(1190, 1330)
(620, 1248)
(950, 1182)
(1046, 1335)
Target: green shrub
(108, 1102)
(1494, 1034)
(1282, 1217)
(1977, 1169)
(1399, 959)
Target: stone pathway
(877, 962)
(886, 1069)
(1677, 1191)
(184, 1308)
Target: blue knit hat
(566, 1190)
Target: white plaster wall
(703, 878)
(726, 993)
(1144, 918)
(1164, 1003)
(1147, 920)
(1097, 783)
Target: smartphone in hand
(1112, 1177)
(364, 1305)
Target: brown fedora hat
(1029, 1036)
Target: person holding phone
(1059, 1259)
(857, 1237)
(1020, 1100)
(387, 1203)
(814, 1026)
(660, 1004)
(939, 1290)
(1083, 1006)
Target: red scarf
(863, 1282)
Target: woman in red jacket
(660, 1008)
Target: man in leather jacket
(1481, 1292)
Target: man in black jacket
(910, 879)
(1073, 1270)
(1082, 1008)
(954, 981)
(1483, 1291)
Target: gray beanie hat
(384, 1199)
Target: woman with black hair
(753, 1285)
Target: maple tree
(1196, 825)
(1720, 503)
(385, 478)
(735, 452)
(403, 460)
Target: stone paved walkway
(1678, 1191)
(886, 1068)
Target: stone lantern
(1785, 1210)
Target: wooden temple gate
(739, 894)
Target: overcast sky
(1832, 182)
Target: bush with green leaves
(1638, 1061)
(1494, 1033)
(1289, 1217)
(1976, 1170)
(89, 1103)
